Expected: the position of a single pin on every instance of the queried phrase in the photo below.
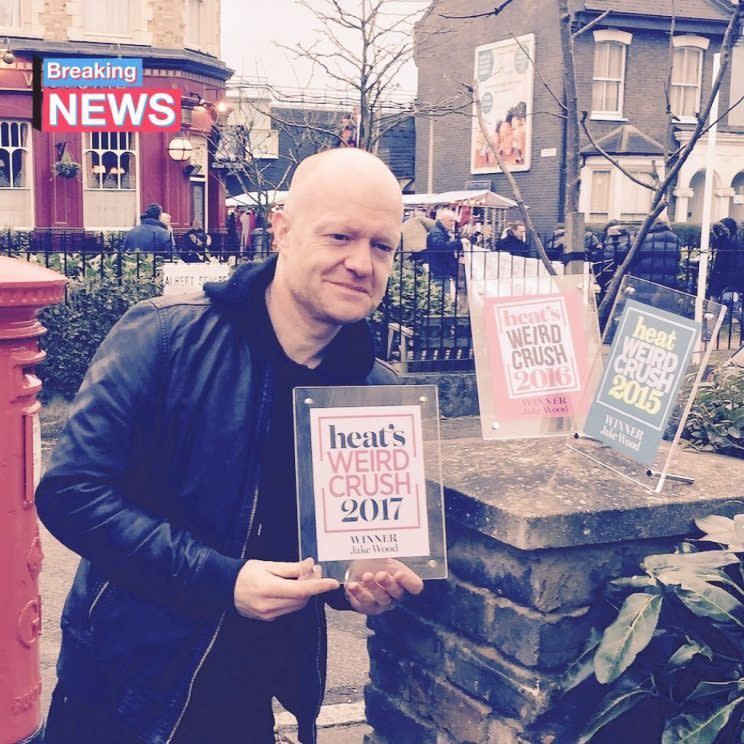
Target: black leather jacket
(155, 482)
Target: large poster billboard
(505, 81)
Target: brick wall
(55, 20)
(450, 63)
(167, 24)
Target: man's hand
(264, 590)
(377, 592)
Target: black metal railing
(423, 321)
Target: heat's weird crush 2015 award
(649, 356)
(369, 491)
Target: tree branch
(526, 53)
(493, 12)
(512, 182)
(608, 157)
(575, 35)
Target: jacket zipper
(222, 617)
(96, 601)
(321, 686)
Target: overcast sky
(249, 31)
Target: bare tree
(246, 144)
(363, 46)
(576, 121)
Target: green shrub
(76, 329)
(716, 421)
(675, 646)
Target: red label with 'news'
(111, 110)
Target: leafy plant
(677, 641)
(716, 421)
(76, 328)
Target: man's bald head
(336, 237)
(341, 173)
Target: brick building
(178, 41)
(622, 64)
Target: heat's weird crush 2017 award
(369, 484)
(649, 356)
(369, 491)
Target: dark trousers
(216, 717)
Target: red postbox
(25, 288)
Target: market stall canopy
(483, 198)
(252, 198)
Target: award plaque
(657, 347)
(369, 483)
(535, 338)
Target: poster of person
(649, 356)
(538, 355)
(505, 81)
(369, 483)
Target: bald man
(174, 480)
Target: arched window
(14, 143)
(110, 161)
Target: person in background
(247, 224)
(515, 240)
(556, 246)
(167, 220)
(617, 240)
(195, 244)
(658, 259)
(442, 248)
(151, 235)
(726, 283)
(233, 240)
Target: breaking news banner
(369, 479)
(102, 95)
(537, 342)
(369, 482)
(649, 356)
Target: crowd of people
(437, 240)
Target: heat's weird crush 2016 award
(533, 342)
(650, 353)
(369, 491)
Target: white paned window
(599, 208)
(107, 17)
(10, 13)
(609, 78)
(193, 23)
(687, 68)
(110, 161)
(14, 157)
